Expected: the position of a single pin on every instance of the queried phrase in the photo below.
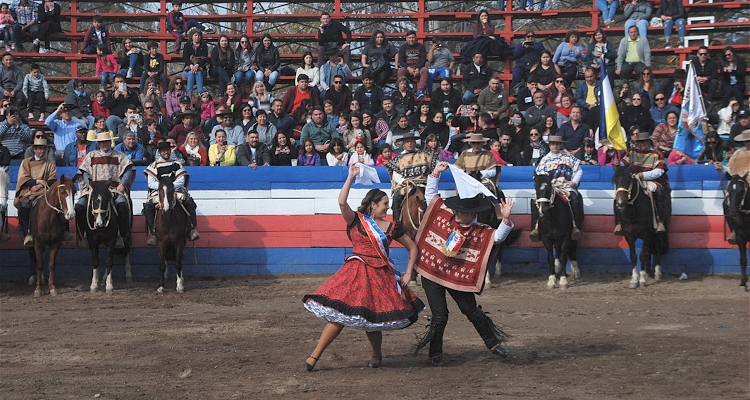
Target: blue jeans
(468, 97)
(113, 121)
(531, 5)
(106, 76)
(608, 9)
(668, 24)
(88, 121)
(501, 5)
(249, 76)
(259, 76)
(193, 80)
(642, 27)
(223, 76)
(433, 73)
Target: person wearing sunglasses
(660, 108)
(174, 94)
(733, 71)
(706, 72)
(337, 68)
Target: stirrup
(83, 244)
(151, 240)
(119, 243)
(618, 230)
(28, 241)
(534, 236)
(194, 235)
(660, 228)
(576, 234)
(732, 239)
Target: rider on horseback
(411, 166)
(478, 162)
(114, 168)
(566, 174)
(165, 166)
(739, 164)
(34, 175)
(649, 167)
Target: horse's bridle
(420, 212)
(59, 198)
(109, 211)
(629, 190)
(551, 200)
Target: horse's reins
(99, 211)
(629, 190)
(59, 198)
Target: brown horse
(412, 209)
(49, 216)
(172, 227)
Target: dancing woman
(366, 293)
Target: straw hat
(40, 142)
(475, 138)
(743, 137)
(101, 136)
(643, 136)
(555, 139)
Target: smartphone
(225, 143)
(123, 87)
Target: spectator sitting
(133, 149)
(665, 133)
(476, 76)
(388, 113)
(728, 116)
(525, 97)
(247, 119)
(356, 133)
(310, 157)
(50, 154)
(448, 99)
(133, 122)
(634, 53)
(672, 13)
(130, 61)
(265, 130)
(488, 129)
(534, 114)
(223, 63)
(707, 73)
(396, 134)
(64, 128)
(419, 120)
(600, 46)
(11, 80)
(260, 99)
(334, 69)
(153, 66)
(6, 26)
(244, 56)
(330, 111)
(638, 14)
(530, 7)
(485, 41)
(176, 95)
(588, 97)
(677, 157)
(195, 56)
(545, 71)
(535, 148)
(556, 92)
(569, 55)
(100, 127)
(49, 23)
(337, 154)
(438, 128)
(412, 57)
(319, 130)
(467, 123)
(282, 121)
(178, 26)
(222, 153)
(152, 93)
(369, 96)
(95, 36)
(118, 101)
(647, 85)
(678, 88)
(608, 9)
(385, 156)
(661, 108)
(377, 127)
(232, 99)
(607, 155)
(206, 106)
(152, 111)
(339, 94)
(76, 151)
(26, 22)
(282, 152)
(525, 53)
(253, 152)
(232, 133)
(562, 115)
(376, 59)
(549, 128)
(588, 154)
(331, 39)
(574, 132)
(714, 150)
(14, 134)
(193, 151)
(36, 90)
(493, 100)
(295, 95)
(268, 60)
(152, 135)
(733, 71)
(308, 68)
(509, 151)
(187, 125)
(636, 114)
(360, 155)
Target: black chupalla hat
(163, 146)
(475, 204)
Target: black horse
(737, 215)
(555, 227)
(101, 227)
(637, 220)
(172, 227)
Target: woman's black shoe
(309, 367)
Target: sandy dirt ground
(247, 337)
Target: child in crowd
(677, 157)
(360, 155)
(97, 106)
(310, 157)
(386, 155)
(178, 26)
(343, 124)
(432, 145)
(495, 150)
(36, 90)
(588, 154)
(106, 65)
(207, 107)
(6, 27)
(95, 36)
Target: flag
(609, 118)
(690, 138)
(466, 186)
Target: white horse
(4, 184)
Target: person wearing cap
(110, 166)
(460, 234)
(75, 152)
(739, 164)
(133, 149)
(743, 123)
(64, 128)
(478, 161)
(649, 166)
(186, 125)
(410, 167)
(165, 166)
(34, 175)
(235, 134)
(566, 173)
(185, 104)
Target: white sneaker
(129, 74)
(42, 50)
(36, 42)
(41, 117)
(31, 116)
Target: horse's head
(4, 184)
(624, 183)
(412, 210)
(545, 192)
(100, 204)
(167, 199)
(737, 196)
(66, 192)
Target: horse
(737, 215)
(102, 228)
(172, 225)
(637, 222)
(555, 226)
(49, 216)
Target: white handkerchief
(466, 186)
(367, 175)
